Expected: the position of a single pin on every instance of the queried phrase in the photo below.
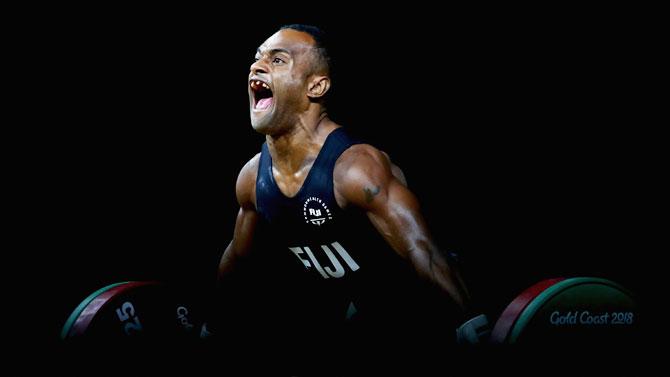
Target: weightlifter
(328, 227)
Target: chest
(290, 183)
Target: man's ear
(318, 86)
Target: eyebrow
(274, 51)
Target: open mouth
(262, 94)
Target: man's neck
(293, 150)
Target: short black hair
(320, 38)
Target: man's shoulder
(251, 166)
(245, 186)
(360, 169)
(361, 160)
(360, 156)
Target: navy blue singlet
(335, 260)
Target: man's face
(278, 80)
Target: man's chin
(261, 127)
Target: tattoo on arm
(370, 193)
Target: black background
(515, 132)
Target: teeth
(256, 83)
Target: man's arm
(365, 178)
(245, 225)
(238, 248)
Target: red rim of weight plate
(511, 314)
(93, 307)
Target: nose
(259, 66)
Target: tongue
(264, 103)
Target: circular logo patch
(316, 211)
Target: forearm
(433, 266)
(227, 290)
(239, 246)
(225, 265)
(228, 274)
